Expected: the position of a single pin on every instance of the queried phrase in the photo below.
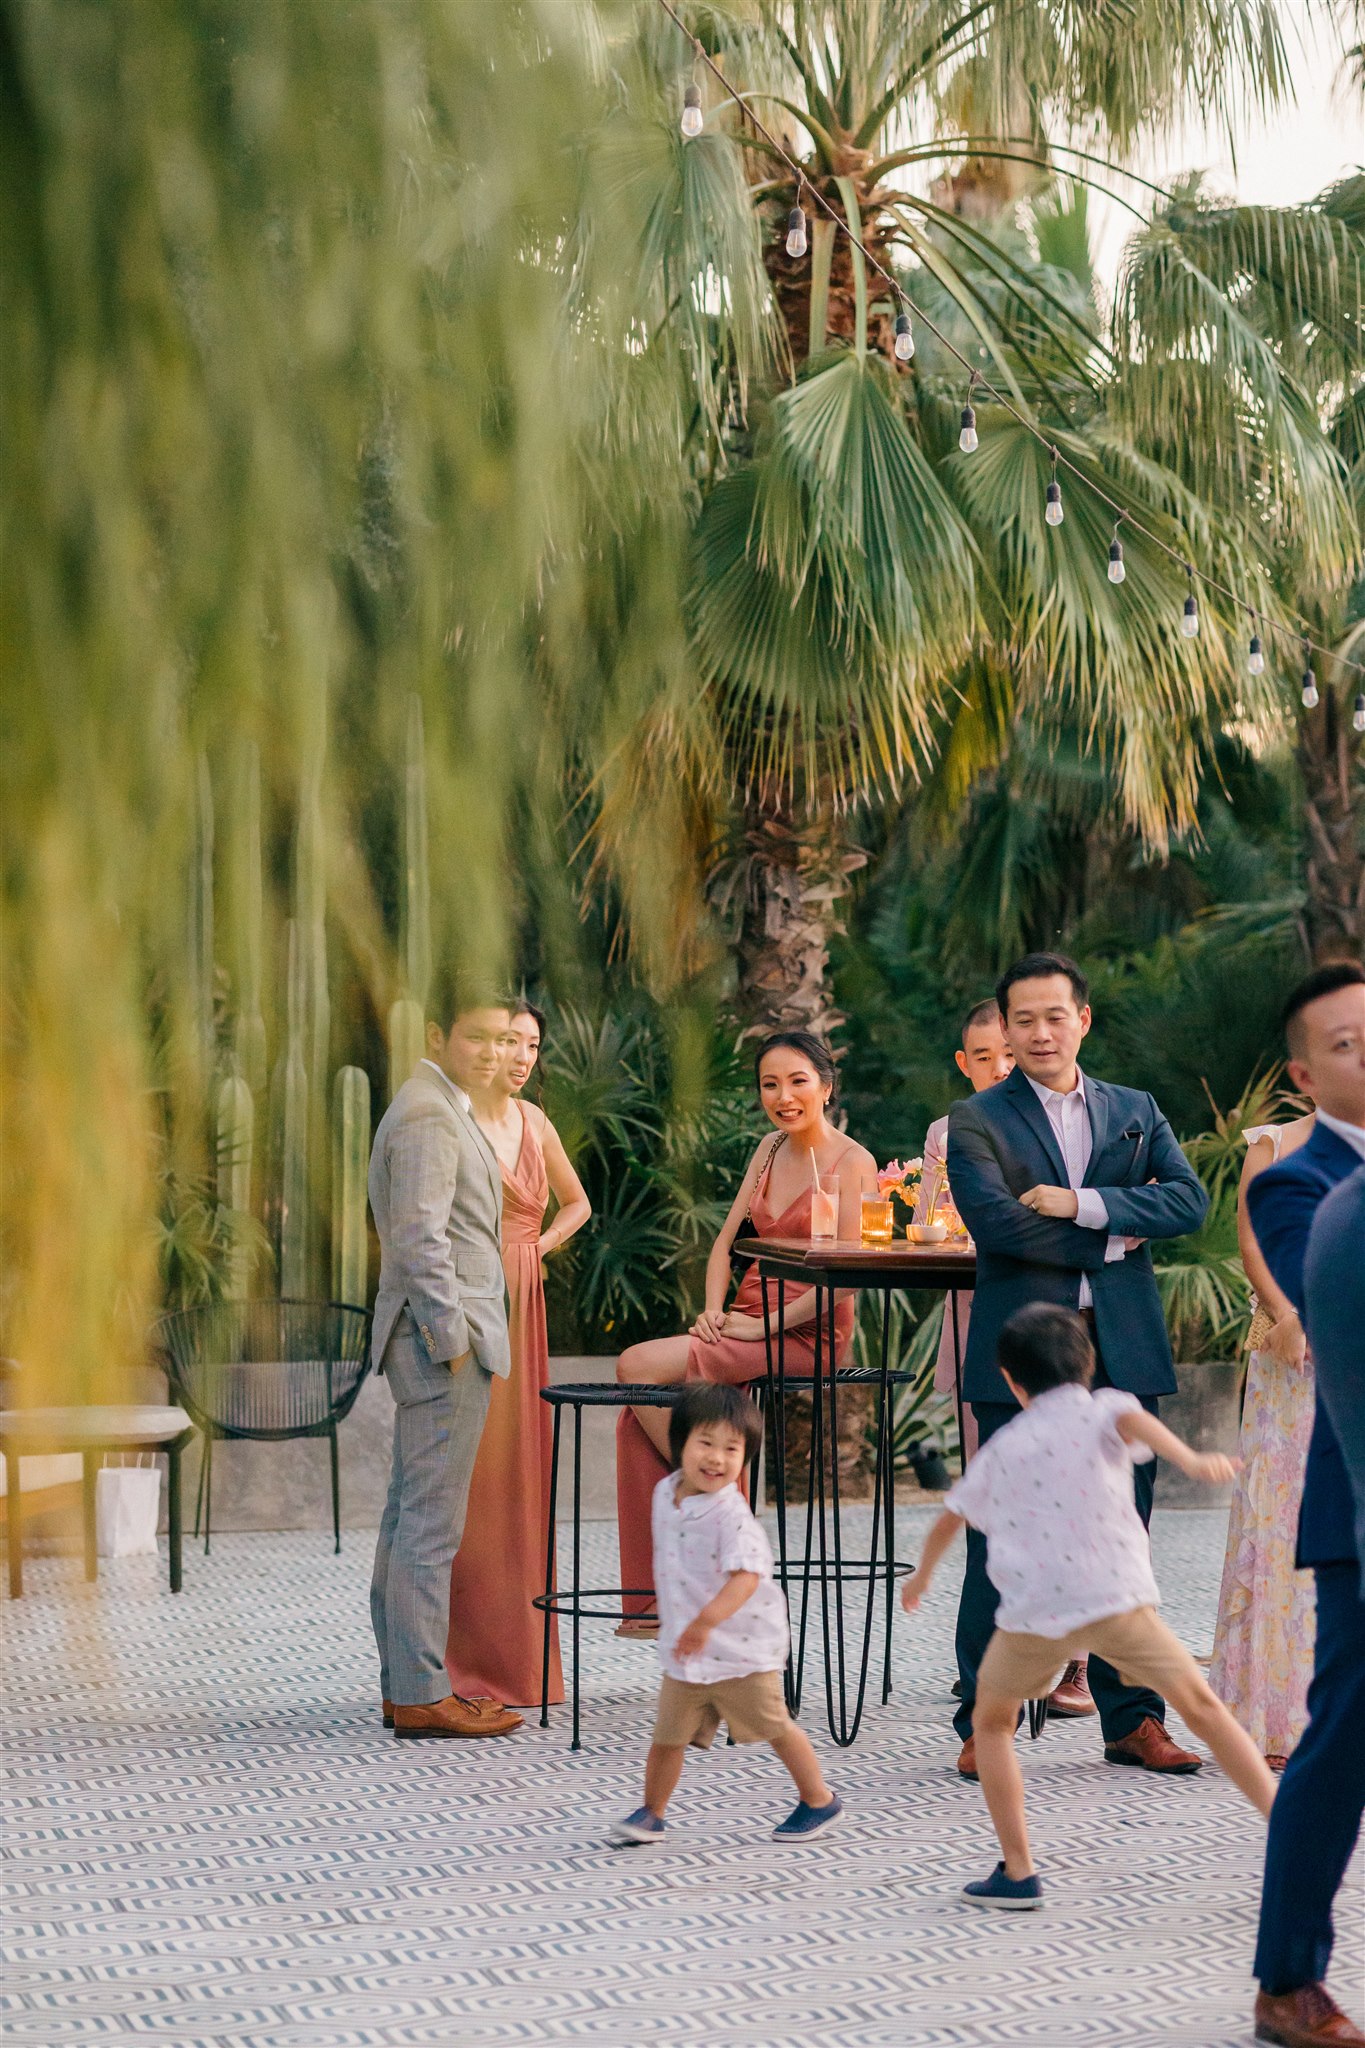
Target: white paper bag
(127, 1502)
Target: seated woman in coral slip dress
(797, 1086)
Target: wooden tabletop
(898, 1264)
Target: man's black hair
(455, 992)
(1044, 1346)
(980, 1013)
(711, 1402)
(1323, 981)
(1035, 967)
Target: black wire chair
(267, 1371)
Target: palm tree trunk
(797, 878)
(1332, 767)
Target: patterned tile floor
(209, 1841)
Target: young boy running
(722, 1621)
(1052, 1493)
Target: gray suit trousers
(437, 1425)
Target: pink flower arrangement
(901, 1179)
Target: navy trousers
(1316, 1816)
(1122, 1708)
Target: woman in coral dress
(496, 1637)
(1263, 1644)
(796, 1084)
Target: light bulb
(905, 339)
(692, 116)
(1310, 690)
(796, 232)
(1189, 624)
(1054, 513)
(1255, 658)
(1358, 714)
(1117, 572)
(967, 440)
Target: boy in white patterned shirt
(1053, 1494)
(722, 1622)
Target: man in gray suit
(440, 1333)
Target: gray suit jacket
(436, 1192)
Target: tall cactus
(350, 1160)
(236, 1121)
(201, 925)
(407, 1016)
(248, 915)
(291, 1133)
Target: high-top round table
(832, 1266)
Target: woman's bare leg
(661, 1362)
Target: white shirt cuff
(1091, 1213)
(1115, 1249)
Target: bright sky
(1289, 157)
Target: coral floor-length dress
(639, 1468)
(496, 1637)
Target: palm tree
(855, 578)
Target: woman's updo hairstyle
(810, 1048)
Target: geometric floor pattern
(209, 1842)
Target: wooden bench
(35, 1432)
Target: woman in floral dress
(1263, 1645)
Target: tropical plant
(857, 581)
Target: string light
(1117, 571)
(1189, 624)
(1310, 681)
(967, 440)
(905, 349)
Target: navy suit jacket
(1000, 1144)
(1282, 1204)
(1334, 1291)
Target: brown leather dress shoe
(1070, 1697)
(966, 1763)
(453, 1717)
(1150, 1748)
(1307, 2018)
(386, 1710)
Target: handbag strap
(779, 1139)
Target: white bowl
(928, 1233)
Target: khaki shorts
(1138, 1644)
(753, 1708)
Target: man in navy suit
(1314, 1244)
(1061, 1180)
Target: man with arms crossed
(1061, 1179)
(440, 1331)
(1316, 1816)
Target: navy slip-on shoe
(804, 1821)
(1010, 1894)
(638, 1830)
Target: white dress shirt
(1351, 1134)
(1070, 1121)
(698, 1541)
(1052, 1492)
(460, 1094)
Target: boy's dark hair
(981, 1013)
(1323, 981)
(810, 1048)
(455, 992)
(1033, 967)
(1044, 1346)
(708, 1402)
